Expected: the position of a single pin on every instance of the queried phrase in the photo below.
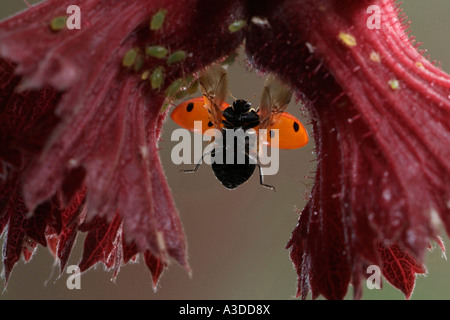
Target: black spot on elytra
(189, 107)
(296, 127)
(210, 124)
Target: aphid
(214, 112)
(129, 58)
(236, 25)
(58, 23)
(156, 51)
(158, 20)
(177, 56)
(157, 77)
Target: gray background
(236, 239)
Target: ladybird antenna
(229, 92)
(250, 100)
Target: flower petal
(102, 118)
(381, 130)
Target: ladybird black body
(239, 116)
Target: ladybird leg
(261, 180)
(195, 168)
(261, 175)
(198, 163)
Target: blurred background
(236, 239)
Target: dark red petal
(130, 251)
(441, 244)
(155, 265)
(100, 241)
(15, 236)
(29, 250)
(72, 217)
(400, 269)
(380, 113)
(99, 123)
(52, 243)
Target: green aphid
(189, 80)
(174, 87)
(145, 75)
(193, 88)
(158, 19)
(181, 94)
(177, 56)
(139, 63)
(156, 51)
(164, 107)
(157, 78)
(189, 86)
(237, 25)
(129, 58)
(230, 59)
(394, 84)
(58, 23)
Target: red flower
(78, 142)
(84, 120)
(381, 114)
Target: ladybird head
(242, 106)
(241, 114)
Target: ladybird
(215, 113)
